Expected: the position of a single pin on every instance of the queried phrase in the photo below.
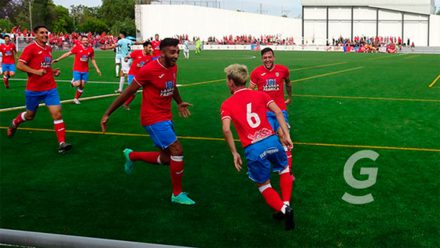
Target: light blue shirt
(124, 47)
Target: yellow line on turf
(369, 98)
(435, 81)
(327, 74)
(221, 139)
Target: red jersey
(139, 59)
(158, 84)
(156, 48)
(38, 57)
(271, 82)
(8, 53)
(247, 109)
(82, 55)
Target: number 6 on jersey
(252, 118)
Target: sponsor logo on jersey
(169, 89)
(271, 85)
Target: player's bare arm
(62, 57)
(129, 91)
(226, 123)
(181, 105)
(286, 140)
(288, 90)
(96, 66)
(25, 68)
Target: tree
(112, 10)
(126, 25)
(62, 21)
(94, 25)
(6, 25)
(81, 13)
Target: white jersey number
(252, 118)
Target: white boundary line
(64, 101)
(67, 81)
(49, 240)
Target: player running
(271, 78)
(247, 110)
(36, 60)
(158, 80)
(9, 53)
(83, 53)
(140, 58)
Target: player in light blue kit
(123, 49)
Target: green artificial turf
(342, 103)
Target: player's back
(247, 109)
(124, 46)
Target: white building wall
(434, 27)
(171, 20)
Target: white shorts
(125, 66)
(119, 58)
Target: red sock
(78, 93)
(149, 157)
(286, 184)
(60, 130)
(289, 159)
(19, 119)
(6, 81)
(272, 198)
(129, 100)
(176, 171)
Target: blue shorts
(162, 133)
(272, 118)
(80, 76)
(8, 67)
(130, 78)
(155, 58)
(49, 97)
(261, 155)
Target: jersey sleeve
(142, 77)
(224, 111)
(74, 49)
(26, 55)
(253, 78)
(133, 55)
(267, 99)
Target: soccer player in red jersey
(247, 109)
(8, 64)
(83, 53)
(139, 59)
(156, 47)
(36, 60)
(270, 78)
(158, 80)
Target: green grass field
(343, 103)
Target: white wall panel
(388, 28)
(364, 14)
(315, 13)
(315, 32)
(388, 15)
(364, 28)
(417, 32)
(434, 27)
(339, 13)
(339, 28)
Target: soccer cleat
(11, 130)
(76, 101)
(64, 147)
(118, 91)
(289, 223)
(278, 216)
(182, 198)
(129, 165)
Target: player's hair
(38, 27)
(6, 36)
(237, 73)
(146, 43)
(123, 33)
(84, 36)
(168, 42)
(267, 49)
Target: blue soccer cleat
(182, 198)
(129, 165)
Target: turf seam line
(418, 149)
